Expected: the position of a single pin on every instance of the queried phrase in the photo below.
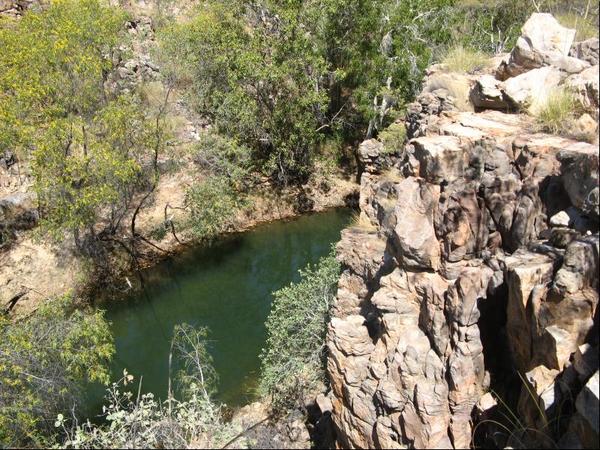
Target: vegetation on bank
(44, 361)
(294, 358)
(284, 84)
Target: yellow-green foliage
(556, 114)
(464, 60)
(585, 27)
(87, 144)
(393, 137)
(44, 360)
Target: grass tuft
(556, 114)
(464, 60)
(361, 221)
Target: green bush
(292, 362)
(393, 137)
(212, 204)
(44, 361)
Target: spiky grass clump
(556, 114)
(464, 60)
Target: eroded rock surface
(482, 251)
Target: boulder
(587, 50)
(560, 219)
(534, 85)
(488, 93)
(543, 42)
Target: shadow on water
(226, 287)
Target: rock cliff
(470, 281)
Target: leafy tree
(292, 362)
(93, 149)
(256, 76)
(212, 204)
(44, 361)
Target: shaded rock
(579, 175)
(585, 86)
(488, 93)
(588, 401)
(587, 50)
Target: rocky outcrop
(479, 263)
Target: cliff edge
(470, 282)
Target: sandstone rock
(487, 93)
(560, 219)
(440, 158)
(587, 50)
(414, 232)
(324, 404)
(543, 42)
(585, 85)
(371, 154)
(458, 227)
(533, 85)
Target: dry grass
(556, 114)
(463, 60)
(585, 27)
(361, 221)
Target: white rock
(533, 85)
(588, 401)
(560, 219)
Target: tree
(94, 150)
(256, 75)
(44, 361)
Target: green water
(226, 287)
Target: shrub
(213, 205)
(194, 421)
(292, 362)
(44, 360)
(393, 137)
(556, 113)
(465, 60)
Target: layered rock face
(476, 256)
